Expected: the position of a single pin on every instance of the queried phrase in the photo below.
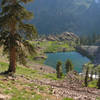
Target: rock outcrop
(69, 36)
(91, 52)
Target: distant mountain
(56, 16)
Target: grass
(53, 76)
(54, 46)
(3, 66)
(28, 72)
(22, 88)
(57, 47)
(93, 84)
(98, 98)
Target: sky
(97, 1)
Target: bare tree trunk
(12, 65)
(12, 50)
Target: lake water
(77, 59)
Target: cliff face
(92, 52)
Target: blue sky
(97, 1)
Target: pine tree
(14, 32)
(87, 68)
(59, 69)
(98, 83)
(86, 76)
(91, 78)
(92, 71)
(68, 66)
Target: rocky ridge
(69, 36)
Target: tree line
(89, 39)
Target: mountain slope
(56, 16)
(32, 84)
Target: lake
(77, 59)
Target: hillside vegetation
(36, 81)
(32, 84)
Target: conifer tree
(14, 32)
(98, 83)
(59, 69)
(92, 71)
(68, 66)
(86, 76)
(95, 73)
(91, 78)
(87, 68)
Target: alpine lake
(77, 59)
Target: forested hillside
(56, 16)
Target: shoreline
(60, 51)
